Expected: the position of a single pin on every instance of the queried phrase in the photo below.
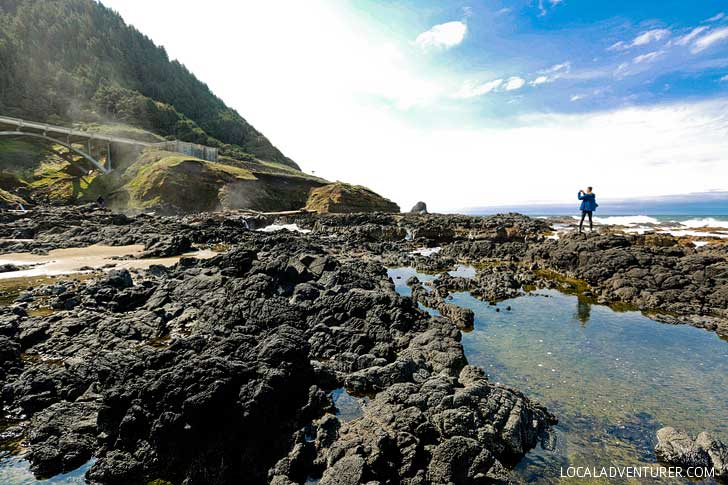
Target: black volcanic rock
(678, 449)
(221, 370)
(419, 208)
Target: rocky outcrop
(462, 317)
(419, 208)
(678, 449)
(221, 370)
(345, 198)
(677, 280)
(444, 426)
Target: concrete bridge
(68, 137)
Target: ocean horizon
(673, 207)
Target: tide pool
(612, 378)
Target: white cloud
(472, 90)
(644, 38)
(514, 83)
(686, 39)
(622, 70)
(714, 36)
(724, 78)
(564, 66)
(649, 57)
(650, 36)
(445, 35)
(328, 122)
(618, 46)
(715, 17)
(577, 97)
(542, 8)
(552, 73)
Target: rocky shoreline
(221, 370)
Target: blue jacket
(588, 202)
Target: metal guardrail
(45, 129)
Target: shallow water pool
(612, 378)
(15, 470)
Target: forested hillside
(65, 61)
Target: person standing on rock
(588, 206)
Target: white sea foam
(288, 227)
(687, 232)
(700, 244)
(626, 220)
(705, 222)
(426, 251)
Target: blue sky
(573, 56)
(470, 103)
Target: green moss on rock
(175, 182)
(10, 200)
(340, 197)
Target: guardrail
(193, 149)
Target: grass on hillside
(343, 197)
(270, 168)
(18, 154)
(121, 130)
(166, 178)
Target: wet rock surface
(679, 283)
(221, 370)
(679, 449)
(462, 317)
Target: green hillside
(75, 60)
(76, 63)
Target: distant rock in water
(419, 208)
(345, 198)
(679, 449)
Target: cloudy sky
(472, 103)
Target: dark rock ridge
(220, 371)
(215, 370)
(462, 317)
(665, 276)
(686, 285)
(678, 449)
(419, 208)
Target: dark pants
(583, 215)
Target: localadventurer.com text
(637, 472)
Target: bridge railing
(193, 149)
(45, 129)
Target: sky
(470, 103)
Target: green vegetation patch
(569, 285)
(121, 130)
(60, 182)
(269, 168)
(345, 198)
(8, 199)
(178, 181)
(17, 154)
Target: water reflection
(15, 470)
(612, 383)
(583, 310)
